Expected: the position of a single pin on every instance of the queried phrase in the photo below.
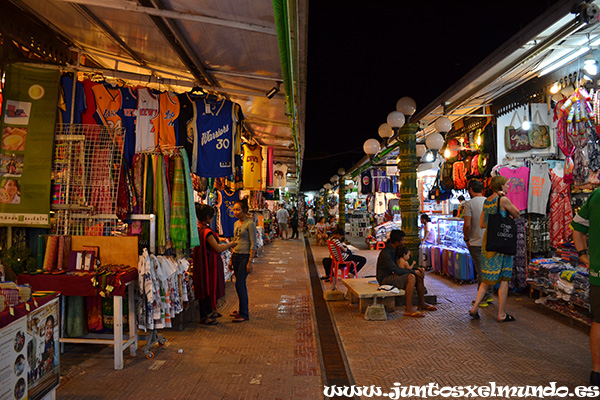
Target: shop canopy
(545, 51)
(240, 48)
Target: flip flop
(429, 307)
(474, 315)
(507, 318)
(416, 314)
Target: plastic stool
(379, 245)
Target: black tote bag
(501, 234)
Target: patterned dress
(494, 266)
(561, 213)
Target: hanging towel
(179, 225)
(166, 201)
(159, 205)
(189, 189)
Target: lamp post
(342, 199)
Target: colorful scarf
(166, 200)
(159, 205)
(179, 224)
(194, 240)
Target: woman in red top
(209, 272)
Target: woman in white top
(429, 235)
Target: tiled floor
(274, 356)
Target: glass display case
(450, 232)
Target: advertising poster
(13, 363)
(43, 373)
(27, 125)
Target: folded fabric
(388, 288)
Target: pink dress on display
(561, 213)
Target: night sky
(365, 55)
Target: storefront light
(590, 65)
(447, 153)
(555, 88)
(526, 125)
(429, 156)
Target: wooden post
(409, 196)
(342, 204)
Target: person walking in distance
(243, 255)
(294, 222)
(495, 267)
(473, 233)
(587, 223)
(282, 219)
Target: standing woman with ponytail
(243, 254)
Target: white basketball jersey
(145, 135)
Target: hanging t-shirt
(394, 206)
(539, 188)
(165, 121)
(87, 117)
(366, 183)
(185, 118)
(228, 199)
(128, 110)
(145, 136)
(518, 181)
(215, 137)
(280, 175)
(380, 203)
(252, 167)
(66, 83)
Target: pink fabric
(518, 180)
(561, 213)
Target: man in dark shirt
(390, 273)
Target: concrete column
(409, 200)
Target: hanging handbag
(501, 233)
(517, 139)
(539, 134)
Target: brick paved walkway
(274, 356)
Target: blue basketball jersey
(227, 217)
(129, 105)
(215, 137)
(66, 82)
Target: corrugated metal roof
(227, 45)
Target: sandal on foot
(507, 318)
(215, 315)
(416, 314)
(234, 314)
(428, 307)
(208, 321)
(474, 315)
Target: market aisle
(448, 348)
(273, 356)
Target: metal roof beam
(245, 75)
(108, 30)
(176, 39)
(131, 5)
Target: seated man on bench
(389, 272)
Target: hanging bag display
(517, 139)
(501, 233)
(539, 134)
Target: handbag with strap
(539, 134)
(517, 139)
(501, 233)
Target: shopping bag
(517, 139)
(539, 134)
(501, 233)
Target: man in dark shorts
(389, 273)
(587, 221)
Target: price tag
(35, 303)
(94, 281)
(11, 311)
(207, 108)
(27, 306)
(109, 288)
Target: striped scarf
(189, 189)
(179, 223)
(157, 162)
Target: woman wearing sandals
(495, 266)
(209, 277)
(243, 254)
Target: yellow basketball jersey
(252, 167)
(165, 121)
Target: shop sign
(27, 123)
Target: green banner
(29, 100)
